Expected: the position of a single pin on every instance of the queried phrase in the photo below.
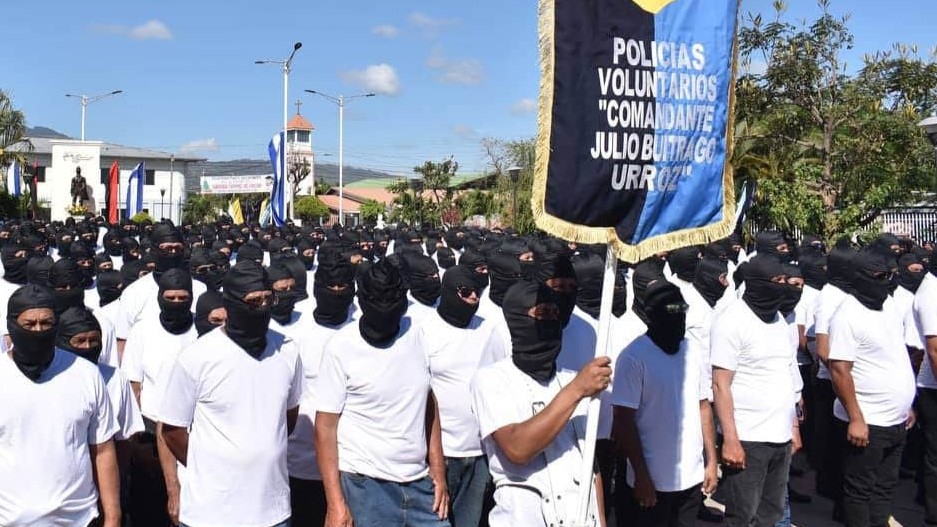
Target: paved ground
(906, 513)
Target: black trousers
(147, 496)
(307, 499)
(807, 427)
(673, 509)
(870, 475)
(927, 418)
(754, 496)
(826, 442)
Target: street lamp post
(172, 180)
(90, 99)
(514, 173)
(286, 66)
(162, 202)
(340, 102)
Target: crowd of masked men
(233, 375)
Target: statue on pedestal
(79, 188)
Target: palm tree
(12, 128)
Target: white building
(57, 159)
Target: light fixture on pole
(162, 201)
(340, 102)
(514, 173)
(90, 99)
(286, 66)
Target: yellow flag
(234, 210)
(653, 6)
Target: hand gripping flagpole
(592, 424)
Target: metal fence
(918, 223)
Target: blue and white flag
(14, 181)
(134, 203)
(278, 193)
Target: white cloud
(429, 24)
(462, 71)
(149, 30)
(524, 107)
(199, 145)
(378, 78)
(465, 132)
(386, 31)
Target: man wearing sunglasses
(875, 388)
(453, 341)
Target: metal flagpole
(592, 424)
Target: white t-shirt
(123, 403)
(454, 356)
(925, 317)
(763, 388)
(301, 450)
(381, 395)
(665, 390)
(148, 357)
(828, 302)
(699, 319)
(46, 428)
(417, 310)
(881, 368)
(503, 395)
(236, 407)
(904, 306)
(141, 301)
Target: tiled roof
(43, 145)
(298, 122)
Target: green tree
(322, 187)
(829, 149)
(370, 210)
(310, 209)
(477, 203)
(141, 217)
(503, 155)
(203, 207)
(12, 130)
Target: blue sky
(450, 72)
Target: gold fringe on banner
(594, 235)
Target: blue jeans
(467, 478)
(377, 503)
(786, 520)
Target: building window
(105, 175)
(149, 177)
(40, 175)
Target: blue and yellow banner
(635, 122)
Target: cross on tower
(299, 103)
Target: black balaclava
(457, 283)
(37, 271)
(683, 262)
(620, 296)
(907, 279)
(282, 310)
(77, 320)
(536, 343)
(14, 267)
(871, 290)
(130, 271)
(645, 273)
(812, 245)
(83, 257)
(708, 280)
(298, 272)
(113, 244)
(445, 257)
(766, 243)
(175, 317)
(33, 351)
(63, 243)
(66, 282)
(422, 278)
(884, 243)
(762, 295)
(110, 285)
(101, 262)
(278, 248)
(813, 267)
(130, 250)
(840, 268)
(208, 302)
(165, 260)
(792, 293)
(383, 301)
(305, 244)
(665, 309)
(559, 265)
(250, 251)
(474, 260)
(331, 305)
(247, 325)
(590, 270)
(203, 269)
